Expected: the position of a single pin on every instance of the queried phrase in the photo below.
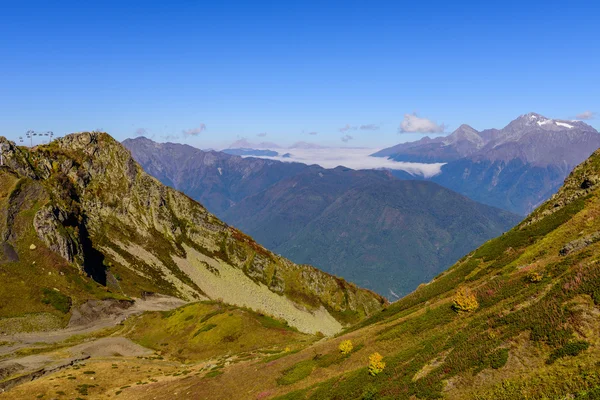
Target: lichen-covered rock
(48, 224)
(579, 244)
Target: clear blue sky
(289, 68)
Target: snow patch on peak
(564, 125)
(544, 122)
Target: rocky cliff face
(117, 224)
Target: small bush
(57, 300)
(214, 373)
(570, 349)
(205, 328)
(297, 372)
(346, 347)
(464, 301)
(369, 393)
(498, 358)
(376, 365)
(534, 277)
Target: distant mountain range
(215, 179)
(515, 168)
(383, 233)
(242, 151)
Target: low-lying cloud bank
(355, 158)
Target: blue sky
(226, 70)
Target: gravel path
(91, 317)
(97, 315)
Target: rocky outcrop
(49, 223)
(579, 244)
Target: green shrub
(57, 300)
(534, 277)
(370, 393)
(593, 394)
(570, 349)
(211, 314)
(214, 373)
(498, 358)
(297, 372)
(205, 328)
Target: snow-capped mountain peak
(526, 122)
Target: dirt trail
(90, 317)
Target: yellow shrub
(534, 277)
(464, 301)
(346, 347)
(375, 364)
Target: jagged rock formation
(103, 214)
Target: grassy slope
(527, 339)
(205, 330)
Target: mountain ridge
(113, 222)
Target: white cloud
(347, 138)
(195, 131)
(369, 127)
(356, 158)
(586, 115)
(313, 133)
(262, 134)
(366, 127)
(141, 132)
(346, 128)
(415, 124)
